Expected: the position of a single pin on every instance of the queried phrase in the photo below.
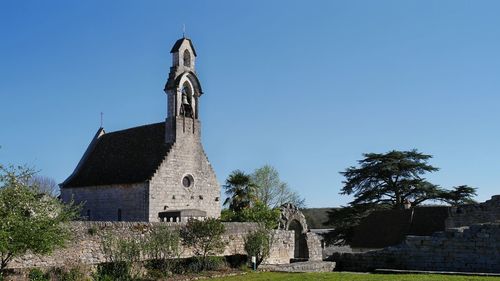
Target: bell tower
(183, 91)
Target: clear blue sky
(304, 86)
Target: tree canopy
(260, 213)
(256, 197)
(240, 191)
(273, 192)
(389, 180)
(30, 220)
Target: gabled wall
(186, 157)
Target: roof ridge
(133, 128)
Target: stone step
(308, 266)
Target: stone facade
(186, 157)
(85, 247)
(466, 249)
(127, 202)
(156, 172)
(465, 215)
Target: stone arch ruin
(307, 244)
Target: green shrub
(162, 246)
(38, 275)
(162, 243)
(214, 263)
(64, 274)
(236, 261)
(210, 263)
(258, 213)
(121, 254)
(30, 221)
(258, 244)
(110, 271)
(158, 269)
(204, 237)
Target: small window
(88, 214)
(187, 58)
(119, 214)
(187, 181)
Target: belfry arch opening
(186, 58)
(187, 108)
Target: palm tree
(240, 191)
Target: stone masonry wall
(186, 157)
(103, 202)
(314, 248)
(85, 247)
(465, 215)
(467, 249)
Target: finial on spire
(101, 120)
(183, 30)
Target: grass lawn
(337, 276)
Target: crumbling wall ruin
(470, 214)
(470, 243)
(466, 249)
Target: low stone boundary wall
(466, 249)
(85, 247)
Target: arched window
(119, 214)
(88, 214)
(187, 100)
(187, 58)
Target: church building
(155, 172)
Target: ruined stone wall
(314, 248)
(465, 215)
(467, 249)
(85, 247)
(186, 157)
(103, 202)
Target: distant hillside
(315, 217)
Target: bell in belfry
(184, 98)
(186, 105)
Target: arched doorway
(301, 251)
(293, 219)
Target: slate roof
(178, 44)
(389, 227)
(121, 157)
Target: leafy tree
(272, 191)
(30, 220)
(204, 237)
(459, 195)
(258, 213)
(240, 191)
(44, 184)
(258, 244)
(388, 180)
